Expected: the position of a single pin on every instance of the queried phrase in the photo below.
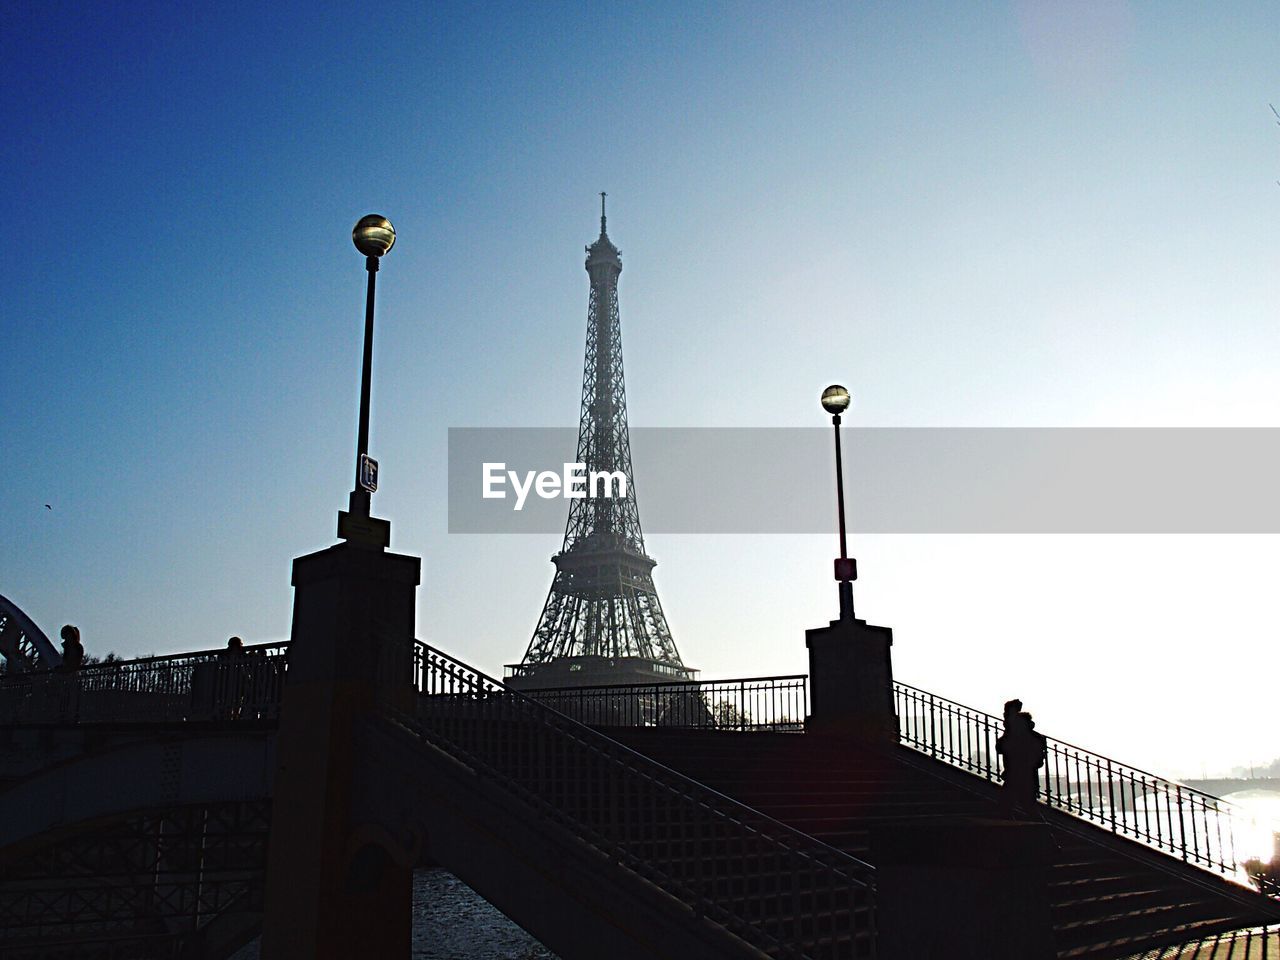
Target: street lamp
(374, 236)
(836, 400)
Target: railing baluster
(1111, 796)
(1195, 831)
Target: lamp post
(835, 400)
(374, 236)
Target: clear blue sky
(993, 214)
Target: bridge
(1226, 785)
(178, 806)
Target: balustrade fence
(209, 685)
(1191, 825)
(1194, 826)
(770, 885)
(757, 703)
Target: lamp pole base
(362, 530)
(846, 600)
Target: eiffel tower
(602, 622)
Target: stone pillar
(330, 896)
(851, 679)
(964, 890)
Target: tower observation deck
(602, 622)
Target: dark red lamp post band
(373, 236)
(835, 400)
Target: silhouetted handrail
(204, 685)
(767, 883)
(777, 704)
(675, 671)
(1194, 826)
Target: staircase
(578, 814)
(1110, 897)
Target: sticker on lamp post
(368, 473)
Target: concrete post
(328, 895)
(851, 680)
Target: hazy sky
(1028, 213)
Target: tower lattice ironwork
(602, 621)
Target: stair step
(1089, 909)
(1124, 924)
(1104, 904)
(1116, 947)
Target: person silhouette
(232, 683)
(1024, 752)
(72, 648)
(1011, 710)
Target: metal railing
(768, 884)
(755, 703)
(208, 685)
(1194, 826)
(516, 671)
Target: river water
(453, 922)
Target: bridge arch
(218, 768)
(91, 852)
(22, 644)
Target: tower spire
(602, 622)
